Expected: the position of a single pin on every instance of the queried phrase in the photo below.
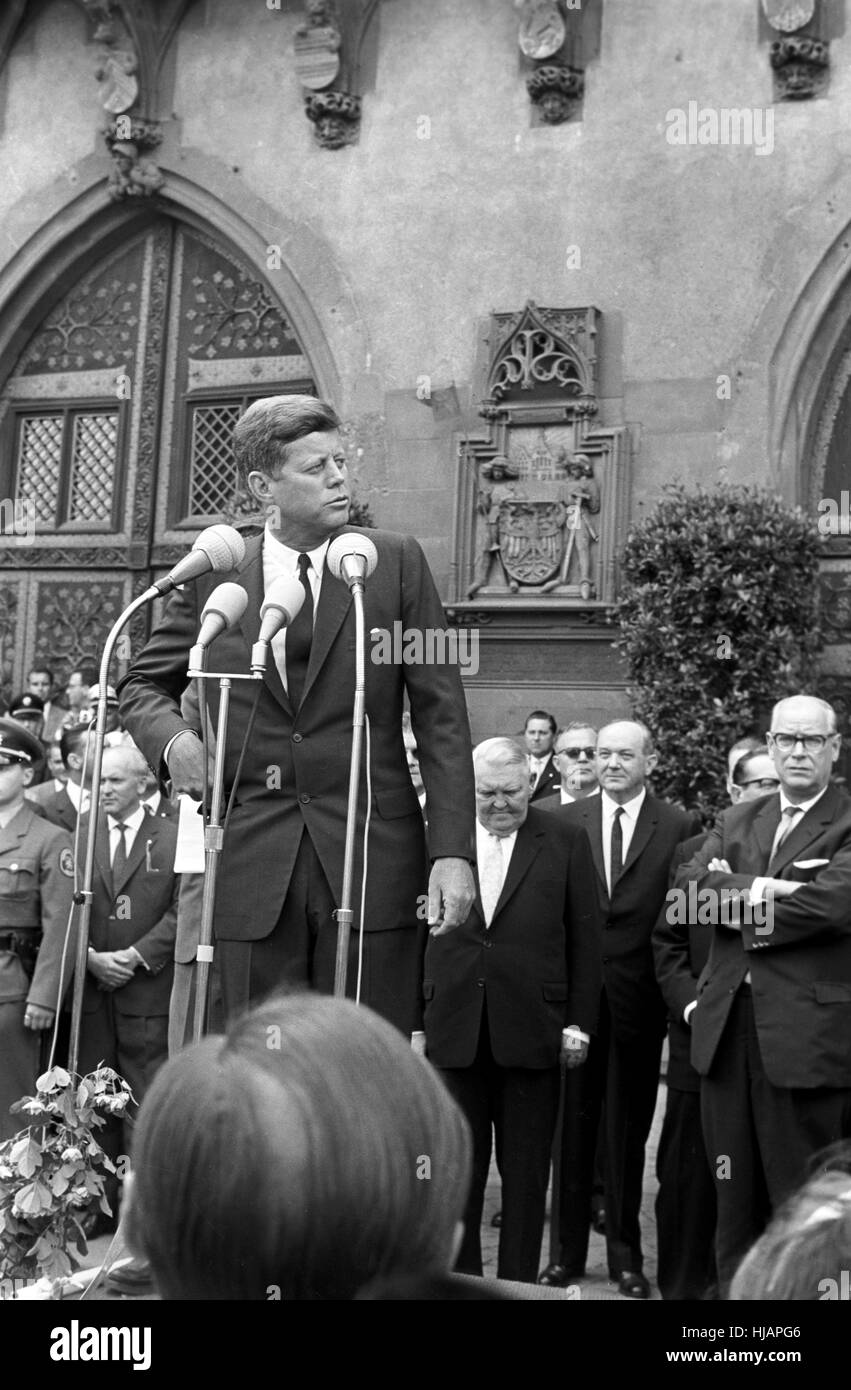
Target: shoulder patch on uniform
(66, 862)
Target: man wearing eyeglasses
(771, 1029)
(573, 756)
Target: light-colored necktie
(787, 821)
(491, 875)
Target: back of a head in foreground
(303, 1154)
(806, 1248)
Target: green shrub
(719, 619)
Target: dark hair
(44, 670)
(70, 739)
(309, 1151)
(742, 763)
(87, 671)
(269, 425)
(541, 714)
(805, 1250)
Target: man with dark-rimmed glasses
(771, 1031)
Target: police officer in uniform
(36, 887)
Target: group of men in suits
(546, 868)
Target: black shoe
(496, 1219)
(558, 1276)
(633, 1285)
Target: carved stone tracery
(541, 497)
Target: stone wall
(401, 245)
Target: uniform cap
(18, 745)
(26, 704)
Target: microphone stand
(83, 896)
(344, 913)
(213, 832)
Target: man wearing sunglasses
(771, 1029)
(573, 756)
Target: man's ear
(651, 761)
(28, 774)
(259, 485)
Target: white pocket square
(810, 863)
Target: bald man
(771, 1029)
(132, 930)
(633, 836)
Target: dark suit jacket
(537, 966)
(799, 956)
(296, 769)
(629, 977)
(680, 951)
(55, 806)
(141, 913)
(548, 782)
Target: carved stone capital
(335, 117)
(132, 175)
(555, 90)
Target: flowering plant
(53, 1173)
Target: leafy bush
(53, 1174)
(719, 619)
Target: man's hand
(129, 956)
(37, 1018)
(719, 866)
(186, 765)
(111, 972)
(781, 887)
(451, 890)
(573, 1051)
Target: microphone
(352, 558)
(223, 608)
(283, 600)
(219, 548)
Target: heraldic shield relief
(540, 500)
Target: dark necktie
(299, 638)
(119, 859)
(616, 857)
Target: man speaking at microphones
(281, 868)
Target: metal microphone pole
(344, 912)
(213, 834)
(83, 896)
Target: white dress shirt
(536, 768)
(79, 799)
(133, 824)
(281, 559)
(506, 844)
(566, 797)
(628, 820)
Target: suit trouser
(520, 1105)
(760, 1138)
(623, 1074)
(134, 1045)
(685, 1202)
(181, 1008)
(19, 1058)
(301, 952)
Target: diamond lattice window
(40, 465)
(213, 477)
(66, 463)
(93, 466)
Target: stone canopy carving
(541, 498)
